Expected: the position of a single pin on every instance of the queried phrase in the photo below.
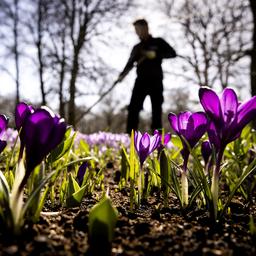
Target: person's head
(141, 28)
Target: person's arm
(129, 65)
(165, 50)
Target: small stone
(13, 249)
(41, 239)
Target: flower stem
(215, 184)
(184, 188)
(184, 183)
(16, 199)
(215, 192)
(140, 185)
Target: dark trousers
(142, 88)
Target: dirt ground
(150, 230)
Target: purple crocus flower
(22, 112)
(228, 116)
(190, 127)
(3, 127)
(145, 144)
(43, 131)
(81, 172)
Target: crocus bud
(43, 131)
(81, 172)
(146, 144)
(206, 150)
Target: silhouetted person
(147, 55)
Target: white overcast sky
(117, 58)
(29, 88)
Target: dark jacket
(149, 68)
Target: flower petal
(246, 112)
(196, 127)
(137, 138)
(22, 111)
(213, 135)
(42, 133)
(145, 141)
(144, 147)
(183, 121)
(58, 132)
(229, 104)
(42, 121)
(200, 123)
(3, 144)
(167, 138)
(211, 103)
(173, 119)
(154, 142)
(3, 124)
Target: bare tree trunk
(16, 51)
(39, 52)
(72, 90)
(83, 19)
(253, 51)
(74, 71)
(61, 82)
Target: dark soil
(150, 230)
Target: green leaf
(35, 193)
(62, 148)
(7, 169)
(16, 200)
(132, 157)
(4, 187)
(175, 182)
(177, 141)
(40, 205)
(5, 211)
(85, 147)
(102, 220)
(72, 186)
(125, 163)
(246, 131)
(252, 226)
(9, 178)
(165, 174)
(164, 168)
(74, 194)
(250, 169)
(76, 198)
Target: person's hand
(150, 54)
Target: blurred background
(67, 53)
